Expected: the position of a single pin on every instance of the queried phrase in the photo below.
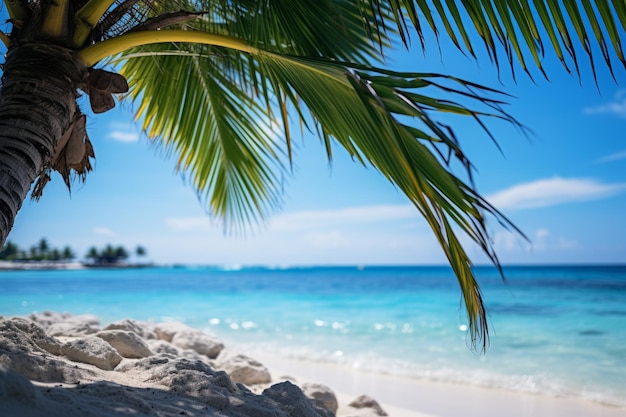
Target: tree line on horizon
(43, 251)
(112, 255)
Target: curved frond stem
(93, 54)
(126, 57)
(87, 17)
(55, 21)
(5, 39)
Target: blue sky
(564, 186)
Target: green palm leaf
(521, 28)
(222, 138)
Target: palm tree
(120, 254)
(43, 248)
(140, 252)
(108, 255)
(68, 254)
(93, 254)
(9, 252)
(54, 255)
(215, 80)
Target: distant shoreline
(77, 265)
(63, 266)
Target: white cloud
(616, 107)
(506, 241)
(351, 215)
(311, 220)
(541, 240)
(326, 247)
(613, 157)
(122, 132)
(126, 137)
(103, 231)
(552, 191)
(378, 234)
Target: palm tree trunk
(37, 104)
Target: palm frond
(329, 28)
(217, 105)
(264, 63)
(522, 29)
(323, 28)
(221, 137)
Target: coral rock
(141, 329)
(291, 399)
(72, 328)
(321, 395)
(127, 344)
(245, 370)
(92, 350)
(367, 402)
(198, 341)
(24, 348)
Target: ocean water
(554, 330)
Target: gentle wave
(531, 384)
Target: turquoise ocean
(559, 330)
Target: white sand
(169, 385)
(405, 397)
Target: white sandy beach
(61, 365)
(412, 398)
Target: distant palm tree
(68, 253)
(54, 255)
(92, 254)
(140, 251)
(43, 248)
(217, 79)
(9, 252)
(120, 253)
(108, 255)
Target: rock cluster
(134, 368)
